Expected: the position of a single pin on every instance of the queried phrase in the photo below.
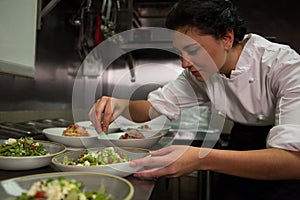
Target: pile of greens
(94, 158)
(21, 147)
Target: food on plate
(24, 146)
(75, 130)
(145, 127)
(61, 188)
(100, 157)
(132, 133)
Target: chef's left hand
(172, 161)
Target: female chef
(262, 84)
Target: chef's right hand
(106, 110)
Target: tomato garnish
(32, 147)
(110, 161)
(40, 194)
(121, 155)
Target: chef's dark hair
(213, 17)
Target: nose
(185, 63)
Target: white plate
(118, 187)
(154, 129)
(113, 127)
(31, 162)
(120, 169)
(112, 139)
(55, 135)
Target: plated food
(22, 147)
(113, 139)
(67, 185)
(79, 141)
(132, 133)
(74, 130)
(148, 130)
(113, 127)
(111, 160)
(26, 153)
(97, 157)
(61, 188)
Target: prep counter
(143, 188)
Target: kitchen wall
(49, 93)
(277, 20)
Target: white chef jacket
(264, 89)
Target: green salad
(21, 147)
(62, 189)
(101, 157)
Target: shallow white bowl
(113, 127)
(118, 187)
(120, 169)
(31, 162)
(112, 139)
(55, 135)
(154, 129)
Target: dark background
(57, 59)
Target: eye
(193, 51)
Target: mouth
(196, 73)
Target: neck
(232, 58)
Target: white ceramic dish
(31, 162)
(152, 131)
(118, 187)
(113, 127)
(112, 139)
(120, 169)
(55, 135)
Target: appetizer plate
(119, 188)
(55, 135)
(112, 139)
(119, 169)
(31, 162)
(151, 131)
(113, 127)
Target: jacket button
(260, 117)
(221, 114)
(251, 80)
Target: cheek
(209, 60)
(218, 56)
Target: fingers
(164, 162)
(152, 161)
(107, 118)
(151, 173)
(148, 161)
(161, 157)
(103, 105)
(162, 151)
(157, 172)
(94, 119)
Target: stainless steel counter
(143, 188)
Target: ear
(228, 39)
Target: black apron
(236, 188)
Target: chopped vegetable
(61, 188)
(24, 146)
(102, 157)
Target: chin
(200, 78)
